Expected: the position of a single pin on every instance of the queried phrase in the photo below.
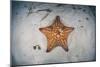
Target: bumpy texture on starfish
(57, 34)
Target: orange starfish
(57, 34)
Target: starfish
(57, 34)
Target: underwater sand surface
(28, 17)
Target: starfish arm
(68, 29)
(57, 22)
(45, 30)
(51, 45)
(64, 45)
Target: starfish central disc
(57, 34)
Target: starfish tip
(40, 29)
(47, 50)
(73, 28)
(67, 50)
(58, 17)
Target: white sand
(25, 34)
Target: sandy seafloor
(28, 17)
